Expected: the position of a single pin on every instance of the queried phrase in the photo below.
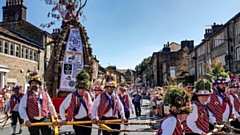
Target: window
(22, 52)
(12, 49)
(201, 50)
(31, 55)
(172, 71)
(218, 40)
(237, 28)
(192, 71)
(17, 50)
(222, 59)
(1, 46)
(238, 54)
(208, 48)
(6, 48)
(26, 51)
(35, 55)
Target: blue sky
(124, 32)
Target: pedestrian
(197, 122)
(220, 104)
(12, 107)
(159, 102)
(127, 103)
(138, 103)
(180, 107)
(97, 91)
(78, 104)
(234, 96)
(106, 106)
(35, 106)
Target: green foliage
(142, 66)
(203, 84)
(83, 76)
(177, 96)
(216, 71)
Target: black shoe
(20, 131)
(13, 134)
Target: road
(67, 130)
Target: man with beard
(12, 106)
(220, 104)
(78, 104)
(107, 105)
(234, 96)
(36, 105)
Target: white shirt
(129, 102)
(82, 110)
(234, 110)
(23, 106)
(192, 118)
(96, 104)
(168, 125)
(8, 105)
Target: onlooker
(137, 103)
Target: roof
(225, 25)
(20, 37)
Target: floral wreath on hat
(178, 100)
(203, 87)
(97, 85)
(217, 74)
(83, 79)
(33, 75)
(110, 82)
(234, 81)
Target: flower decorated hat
(123, 86)
(97, 85)
(203, 87)
(34, 76)
(82, 80)
(234, 81)
(110, 82)
(217, 74)
(179, 100)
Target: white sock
(14, 128)
(125, 127)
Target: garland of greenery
(84, 77)
(203, 84)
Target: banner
(72, 62)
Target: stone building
(95, 68)
(171, 62)
(221, 42)
(23, 45)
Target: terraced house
(22, 45)
(221, 42)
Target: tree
(142, 66)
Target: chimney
(188, 43)
(216, 27)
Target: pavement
(147, 116)
(2, 118)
